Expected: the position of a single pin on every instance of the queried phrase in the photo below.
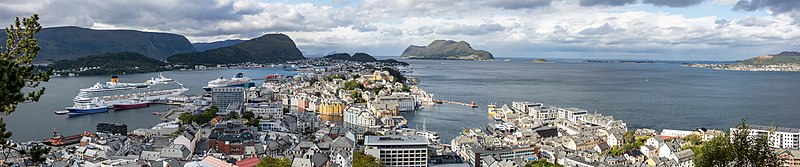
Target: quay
(473, 105)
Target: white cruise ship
(116, 93)
(238, 80)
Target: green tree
(234, 115)
(274, 162)
(186, 118)
(253, 122)
(38, 153)
(16, 71)
(248, 115)
(541, 163)
(737, 149)
(352, 85)
(206, 115)
(363, 160)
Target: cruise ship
(237, 81)
(121, 94)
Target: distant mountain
(110, 63)
(59, 43)
(780, 58)
(362, 57)
(217, 44)
(270, 48)
(446, 49)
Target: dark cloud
(518, 4)
(673, 3)
(602, 30)
(459, 29)
(606, 2)
(789, 7)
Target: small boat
(61, 112)
(133, 103)
(157, 113)
(473, 105)
(87, 106)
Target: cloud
(518, 4)
(788, 7)
(507, 27)
(460, 29)
(673, 3)
(602, 30)
(606, 2)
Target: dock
(473, 105)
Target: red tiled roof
(248, 162)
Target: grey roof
(395, 140)
(682, 155)
(778, 129)
(318, 159)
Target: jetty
(473, 105)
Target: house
(614, 139)
(684, 158)
(648, 150)
(601, 148)
(668, 150)
(177, 151)
(301, 162)
(654, 141)
(248, 162)
(790, 158)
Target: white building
(786, 138)
(360, 116)
(676, 133)
(572, 114)
(266, 110)
(222, 96)
(524, 107)
(396, 151)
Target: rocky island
(784, 61)
(446, 50)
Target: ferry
(88, 106)
(237, 81)
(120, 94)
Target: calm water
(643, 95)
(35, 121)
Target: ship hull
(130, 106)
(75, 111)
(246, 85)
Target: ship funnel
(114, 79)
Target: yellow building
(331, 108)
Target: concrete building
(222, 96)
(785, 138)
(405, 102)
(266, 110)
(398, 150)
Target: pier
(473, 105)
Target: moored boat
(87, 106)
(237, 81)
(132, 104)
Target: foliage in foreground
(541, 163)
(274, 162)
(363, 160)
(737, 149)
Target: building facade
(222, 96)
(398, 151)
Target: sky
(596, 29)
